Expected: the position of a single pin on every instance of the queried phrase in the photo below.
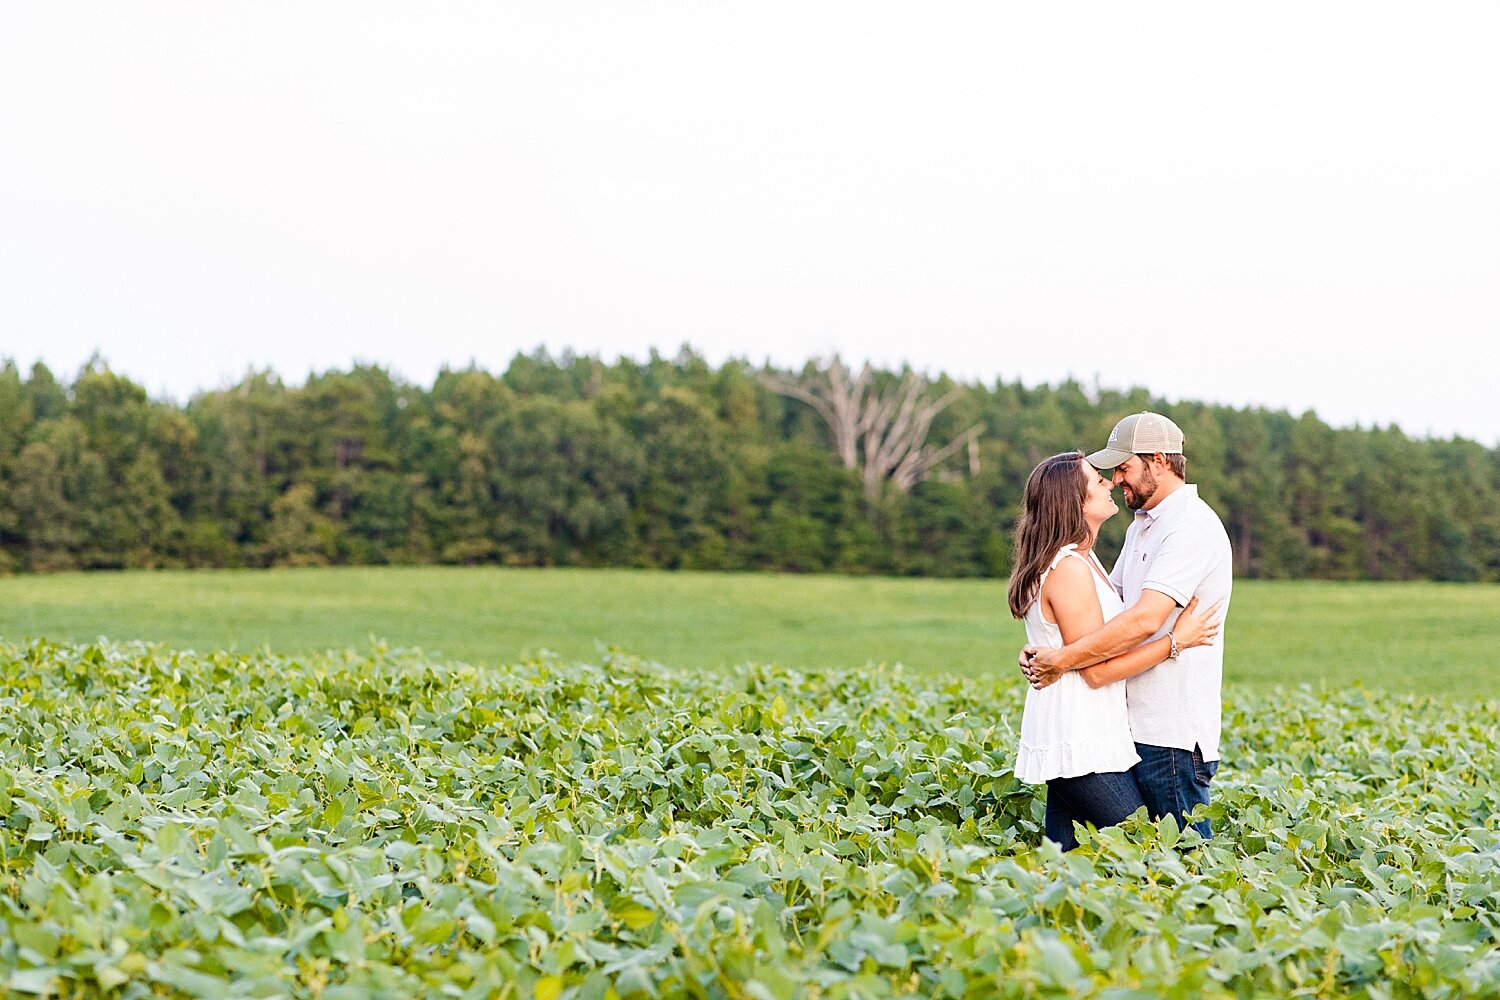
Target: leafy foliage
(353, 826)
(669, 464)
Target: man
(1176, 548)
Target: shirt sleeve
(1181, 564)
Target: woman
(1075, 734)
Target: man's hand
(1040, 666)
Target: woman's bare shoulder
(1069, 574)
(1071, 600)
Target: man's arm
(1188, 631)
(1120, 634)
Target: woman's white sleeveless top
(1068, 728)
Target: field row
(218, 825)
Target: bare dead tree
(884, 434)
(835, 398)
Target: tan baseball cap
(1144, 433)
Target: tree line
(675, 463)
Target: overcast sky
(1288, 205)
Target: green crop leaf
(44, 942)
(37, 982)
(1171, 833)
(216, 825)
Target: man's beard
(1137, 497)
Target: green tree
(470, 528)
(563, 481)
(299, 533)
(671, 462)
(679, 511)
(49, 531)
(251, 431)
(155, 529)
(1254, 512)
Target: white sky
(1287, 204)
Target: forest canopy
(676, 463)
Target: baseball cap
(1144, 433)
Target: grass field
(1418, 637)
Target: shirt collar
(1168, 504)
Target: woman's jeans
(1103, 799)
(1174, 781)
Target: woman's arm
(1069, 599)
(1191, 629)
(1120, 635)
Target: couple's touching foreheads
(1126, 664)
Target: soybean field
(565, 784)
(216, 824)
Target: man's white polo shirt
(1178, 548)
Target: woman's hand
(1196, 628)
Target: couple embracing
(1124, 705)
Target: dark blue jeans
(1174, 781)
(1103, 799)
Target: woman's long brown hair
(1051, 517)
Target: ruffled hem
(1038, 765)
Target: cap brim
(1108, 458)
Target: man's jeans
(1174, 781)
(1103, 799)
